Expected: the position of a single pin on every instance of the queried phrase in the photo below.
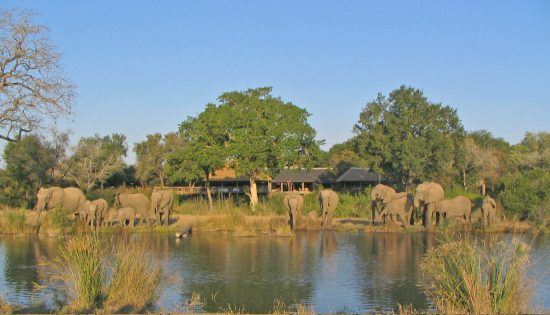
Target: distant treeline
(402, 136)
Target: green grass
(83, 272)
(468, 276)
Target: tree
(486, 159)
(205, 149)
(265, 134)
(152, 154)
(410, 139)
(29, 165)
(533, 151)
(95, 159)
(342, 156)
(33, 88)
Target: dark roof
(357, 174)
(315, 175)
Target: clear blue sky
(144, 66)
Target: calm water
(364, 272)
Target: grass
(81, 260)
(135, 280)
(6, 308)
(124, 279)
(467, 276)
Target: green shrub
(465, 276)
(58, 218)
(526, 194)
(16, 219)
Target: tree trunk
(161, 177)
(483, 186)
(209, 194)
(464, 179)
(253, 193)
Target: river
(328, 271)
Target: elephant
(139, 202)
(162, 202)
(97, 212)
(293, 203)
(427, 198)
(122, 215)
(401, 207)
(458, 207)
(488, 211)
(380, 195)
(328, 200)
(71, 199)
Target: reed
(81, 260)
(467, 276)
(135, 281)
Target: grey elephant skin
(293, 203)
(400, 208)
(71, 199)
(488, 211)
(328, 200)
(427, 198)
(380, 195)
(162, 202)
(139, 202)
(97, 212)
(126, 216)
(458, 207)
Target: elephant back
(382, 193)
(73, 199)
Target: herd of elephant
(98, 213)
(389, 205)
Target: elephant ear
(433, 193)
(285, 202)
(334, 199)
(492, 202)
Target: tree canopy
(97, 158)
(408, 138)
(152, 155)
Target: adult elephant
(458, 207)
(328, 200)
(139, 202)
(400, 208)
(427, 198)
(293, 203)
(488, 211)
(162, 202)
(71, 199)
(380, 195)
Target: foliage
(135, 280)
(533, 151)
(95, 159)
(408, 138)
(342, 156)
(152, 154)
(527, 194)
(29, 165)
(469, 277)
(33, 87)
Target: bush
(526, 194)
(471, 277)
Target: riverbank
(19, 221)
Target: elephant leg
(132, 221)
(329, 219)
(166, 218)
(428, 215)
(293, 219)
(157, 214)
(403, 219)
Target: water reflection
(353, 272)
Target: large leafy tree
(29, 165)
(152, 154)
(33, 87)
(250, 131)
(95, 159)
(408, 138)
(533, 151)
(205, 149)
(266, 134)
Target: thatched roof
(315, 175)
(358, 174)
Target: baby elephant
(125, 216)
